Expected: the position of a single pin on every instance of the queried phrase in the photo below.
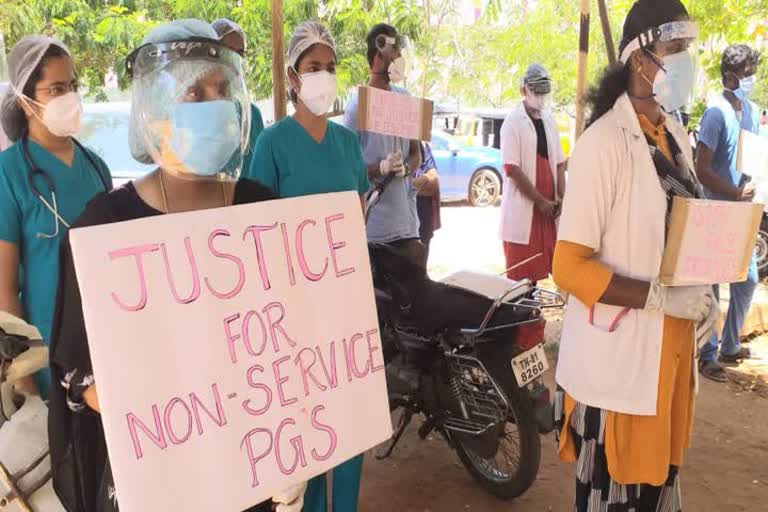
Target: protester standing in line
(233, 36)
(427, 183)
(395, 219)
(305, 154)
(534, 179)
(716, 156)
(189, 116)
(625, 371)
(46, 179)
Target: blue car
(467, 173)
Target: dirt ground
(726, 469)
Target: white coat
(615, 205)
(518, 147)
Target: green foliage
(474, 63)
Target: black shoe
(713, 371)
(739, 356)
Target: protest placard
(391, 113)
(236, 350)
(752, 160)
(710, 242)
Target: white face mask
(62, 115)
(318, 91)
(537, 103)
(397, 70)
(673, 85)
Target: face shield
(684, 30)
(538, 94)
(394, 49)
(190, 110)
(674, 83)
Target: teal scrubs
(291, 163)
(24, 216)
(257, 126)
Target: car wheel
(761, 249)
(484, 188)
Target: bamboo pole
(610, 48)
(278, 59)
(581, 81)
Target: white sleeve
(510, 143)
(591, 190)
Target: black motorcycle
(455, 356)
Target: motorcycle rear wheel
(513, 469)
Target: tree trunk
(278, 59)
(581, 82)
(607, 34)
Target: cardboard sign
(391, 113)
(236, 351)
(710, 242)
(752, 160)
(752, 156)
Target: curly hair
(736, 57)
(612, 84)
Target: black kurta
(82, 476)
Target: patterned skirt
(595, 490)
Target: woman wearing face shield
(626, 372)
(189, 116)
(303, 155)
(46, 179)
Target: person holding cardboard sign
(625, 373)
(190, 116)
(716, 165)
(305, 154)
(395, 219)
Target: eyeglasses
(60, 89)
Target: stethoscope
(53, 207)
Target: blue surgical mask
(674, 82)
(205, 135)
(746, 86)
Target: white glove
(686, 302)
(291, 499)
(706, 327)
(393, 164)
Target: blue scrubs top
(719, 132)
(291, 163)
(24, 216)
(257, 126)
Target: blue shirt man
(394, 218)
(716, 156)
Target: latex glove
(291, 499)
(686, 302)
(393, 164)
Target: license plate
(530, 365)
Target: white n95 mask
(319, 91)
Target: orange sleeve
(577, 272)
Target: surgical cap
(535, 73)
(224, 27)
(183, 74)
(307, 35)
(23, 60)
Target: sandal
(713, 371)
(743, 353)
